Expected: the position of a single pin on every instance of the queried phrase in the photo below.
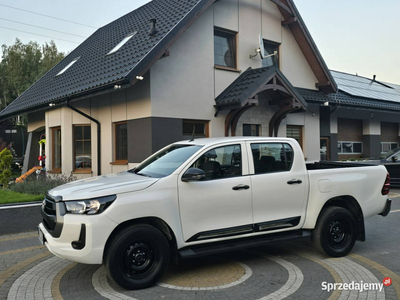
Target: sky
(357, 36)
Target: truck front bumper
(386, 210)
(75, 244)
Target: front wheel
(335, 233)
(137, 257)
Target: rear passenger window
(272, 157)
(221, 162)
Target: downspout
(98, 134)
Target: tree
(5, 165)
(22, 65)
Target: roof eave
(75, 97)
(330, 85)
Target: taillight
(386, 186)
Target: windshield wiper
(142, 174)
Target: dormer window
(121, 43)
(68, 66)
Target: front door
(279, 185)
(219, 206)
(324, 148)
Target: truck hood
(100, 186)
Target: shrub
(352, 159)
(40, 185)
(6, 159)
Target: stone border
(247, 274)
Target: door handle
(240, 187)
(294, 181)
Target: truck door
(220, 205)
(279, 184)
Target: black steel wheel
(137, 257)
(335, 232)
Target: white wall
(107, 109)
(185, 84)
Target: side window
(271, 157)
(221, 162)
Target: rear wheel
(335, 233)
(137, 257)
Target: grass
(14, 197)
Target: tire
(137, 257)
(335, 233)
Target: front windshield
(390, 153)
(166, 162)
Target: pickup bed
(204, 196)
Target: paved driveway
(290, 270)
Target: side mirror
(394, 158)
(193, 174)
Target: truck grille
(52, 213)
(49, 207)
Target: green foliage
(352, 159)
(6, 159)
(7, 196)
(22, 65)
(41, 185)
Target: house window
(350, 148)
(295, 132)
(68, 66)
(196, 128)
(56, 149)
(224, 48)
(121, 43)
(121, 142)
(82, 148)
(270, 48)
(251, 130)
(10, 131)
(387, 146)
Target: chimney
(153, 29)
(373, 79)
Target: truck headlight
(90, 206)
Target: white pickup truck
(206, 196)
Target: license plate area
(41, 237)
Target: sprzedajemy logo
(356, 286)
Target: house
(176, 68)
(361, 120)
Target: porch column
(371, 138)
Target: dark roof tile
(96, 69)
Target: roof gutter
(98, 133)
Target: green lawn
(14, 197)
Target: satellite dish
(262, 53)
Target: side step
(236, 244)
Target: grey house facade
(362, 118)
(174, 67)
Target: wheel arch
(352, 205)
(152, 221)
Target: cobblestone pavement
(290, 270)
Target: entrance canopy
(242, 94)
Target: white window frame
(68, 66)
(352, 142)
(121, 43)
(390, 143)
